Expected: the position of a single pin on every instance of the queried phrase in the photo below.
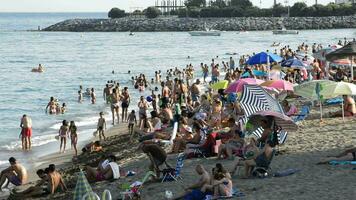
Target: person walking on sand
(73, 136)
(132, 121)
(115, 105)
(63, 134)
(125, 102)
(101, 126)
(15, 174)
(93, 96)
(26, 132)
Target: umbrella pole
(352, 70)
(342, 110)
(321, 111)
(268, 69)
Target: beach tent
(254, 99)
(348, 51)
(237, 86)
(82, 187)
(264, 58)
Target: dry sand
(303, 149)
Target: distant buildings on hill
(344, 1)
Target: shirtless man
(93, 96)
(107, 93)
(16, 174)
(41, 188)
(26, 132)
(195, 91)
(125, 102)
(55, 180)
(101, 126)
(165, 94)
(115, 105)
(142, 110)
(204, 179)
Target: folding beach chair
(174, 174)
(128, 194)
(302, 115)
(173, 136)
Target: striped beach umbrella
(280, 119)
(255, 99)
(82, 187)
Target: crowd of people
(208, 120)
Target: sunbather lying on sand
(345, 155)
(107, 170)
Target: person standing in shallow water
(73, 136)
(26, 132)
(93, 96)
(63, 134)
(125, 103)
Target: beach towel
(195, 195)
(115, 170)
(286, 172)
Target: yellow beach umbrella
(220, 85)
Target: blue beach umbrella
(264, 58)
(255, 72)
(293, 63)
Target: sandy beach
(310, 144)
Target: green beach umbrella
(82, 187)
(220, 85)
(314, 90)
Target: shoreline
(175, 24)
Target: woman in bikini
(115, 105)
(63, 134)
(73, 136)
(52, 106)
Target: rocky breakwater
(164, 24)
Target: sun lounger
(302, 115)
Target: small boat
(131, 34)
(275, 44)
(206, 32)
(284, 31)
(37, 70)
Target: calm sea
(73, 59)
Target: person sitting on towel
(107, 170)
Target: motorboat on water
(131, 34)
(284, 31)
(206, 32)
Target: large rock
(188, 24)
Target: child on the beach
(101, 126)
(63, 134)
(73, 136)
(132, 120)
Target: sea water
(88, 59)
